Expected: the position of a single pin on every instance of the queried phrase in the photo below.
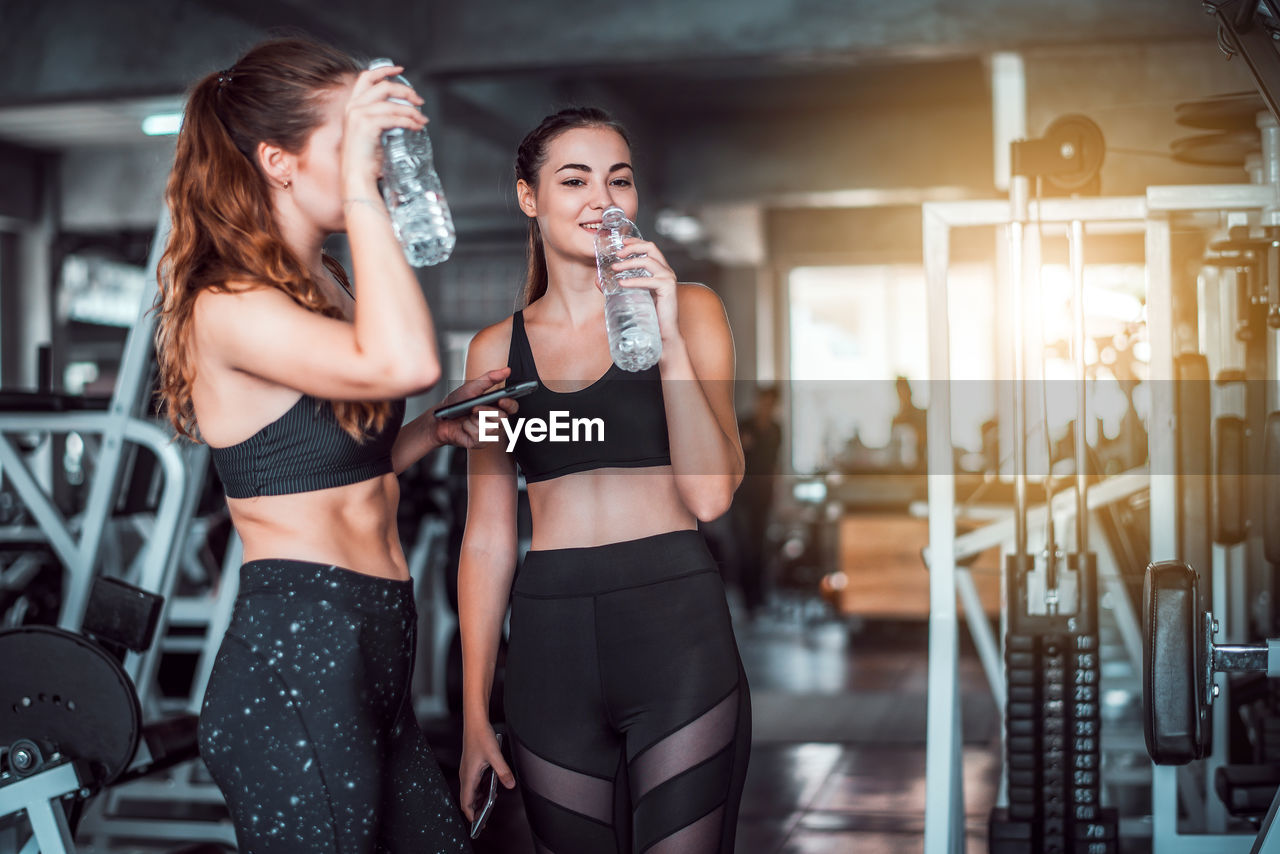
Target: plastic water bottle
(635, 342)
(411, 188)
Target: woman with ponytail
(297, 386)
(627, 707)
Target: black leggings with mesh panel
(308, 726)
(629, 712)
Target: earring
(288, 183)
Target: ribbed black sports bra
(629, 404)
(303, 450)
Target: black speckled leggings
(307, 724)
(625, 698)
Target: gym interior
(1004, 275)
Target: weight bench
(1179, 659)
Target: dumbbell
(1179, 659)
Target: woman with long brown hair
(626, 703)
(298, 388)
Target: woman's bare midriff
(351, 526)
(603, 506)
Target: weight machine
(1151, 215)
(81, 711)
(89, 743)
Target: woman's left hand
(661, 282)
(465, 432)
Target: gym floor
(838, 755)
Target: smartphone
(489, 791)
(464, 407)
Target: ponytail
(223, 229)
(535, 275)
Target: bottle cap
(613, 212)
(384, 62)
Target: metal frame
(219, 619)
(40, 797)
(118, 425)
(1000, 531)
(83, 545)
(437, 623)
(944, 802)
(1216, 297)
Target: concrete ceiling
(62, 49)
(94, 67)
(775, 102)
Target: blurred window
(854, 329)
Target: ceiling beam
(470, 39)
(76, 49)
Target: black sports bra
(303, 450)
(630, 406)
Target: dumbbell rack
(1053, 725)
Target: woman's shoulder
(492, 342)
(699, 300)
(234, 300)
(236, 291)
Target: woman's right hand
(480, 750)
(369, 113)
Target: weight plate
(1024, 711)
(63, 690)
(1021, 728)
(1174, 702)
(1234, 111)
(1224, 148)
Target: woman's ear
(276, 163)
(525, 198)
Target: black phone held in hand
(488, 791)
(464, 407)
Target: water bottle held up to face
(411, 188)
(635, 342)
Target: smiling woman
(628, 710)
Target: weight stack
(1053, 725)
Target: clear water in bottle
(635, 341)
(415, 198)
